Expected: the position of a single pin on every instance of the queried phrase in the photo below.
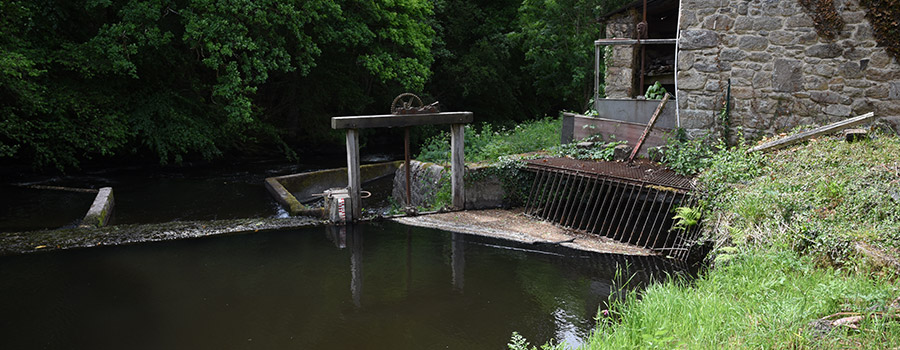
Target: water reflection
(374, 286)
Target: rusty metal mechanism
(409, 103)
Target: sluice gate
(630, 203)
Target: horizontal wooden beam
(634, 42)
(827, 129)
(401, 120)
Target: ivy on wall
(884, 15)
(825, 17)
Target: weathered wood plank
(830, 128)
(393, 120)
(353, 182)
(457, 165)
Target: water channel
(371, 286)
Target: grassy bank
(488, 143)
(801, 234)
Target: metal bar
(553, 194)
(554, 181)
(587, 204)
(662, 224)
(566, 191)
(592, 220)
(649, 213)
(531, 193)
(575, 203)
(634, 202)
(613, 41)
(637, 147)
(542, 192)
(620, 207)
(611, 189)
(615, 212)
(656, 220)
(406, 165)
(632, 199)
(637, 220)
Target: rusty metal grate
(629, 203)
(638, 172)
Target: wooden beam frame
(400, 120)
(457, 121)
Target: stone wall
(426, 180)
(783, 74)
(621, 60)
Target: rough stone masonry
(783, 73)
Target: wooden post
(353, 183)
(457, 165)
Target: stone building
(781, 70)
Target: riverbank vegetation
(807, 246)
(175, 80)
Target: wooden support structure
(457, 121)
(353, 183)
(457, 165)
(806, 135)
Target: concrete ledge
(99, 213)
(291, 191)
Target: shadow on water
(369, 286)
(23, 209)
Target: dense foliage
(190, 78)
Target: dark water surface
(375, 286)
(31, 209)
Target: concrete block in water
(99, 213)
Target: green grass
(762, 300)
(788, 226)
(488, 144)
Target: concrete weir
(100, 211)
(291, 191)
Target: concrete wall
(783, 74)
(291, 190)
(426, 179)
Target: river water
(369, 286)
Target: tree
(180, 77)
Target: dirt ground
(512, 224)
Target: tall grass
(762, 300)
(789, 225)
(488, 143)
